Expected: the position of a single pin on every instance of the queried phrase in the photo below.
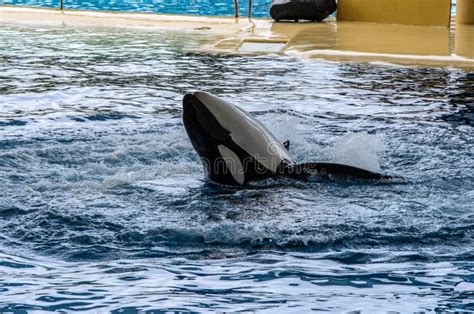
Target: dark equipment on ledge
(312, 10)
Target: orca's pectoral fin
(286, 144)
(337, 171)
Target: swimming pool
(260, 8)
(104, 207)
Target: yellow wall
(464, 42)
(410, 12)
(465, 12)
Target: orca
(235, 148)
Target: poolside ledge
(340, 41)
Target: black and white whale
(235, 148)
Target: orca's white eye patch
(233, 163)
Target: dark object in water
(335, 171)
(235, 148)
(313, 10)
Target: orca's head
(203, 128)
(211, 139)
(219, 130)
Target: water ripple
(104, 206)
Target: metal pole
(236, 8)
(250, 8)
(62, 5)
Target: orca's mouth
(203, 129)
(189, 108)
(196, 133)
(197, 116)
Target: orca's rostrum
(235, 148)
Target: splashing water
(104, 206)
(359, 150)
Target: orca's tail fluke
(334, 171)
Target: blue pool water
(260, 8)
(103, 206)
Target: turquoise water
(103, 206)
(260, 8)
(201, 7)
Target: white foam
(357, 149)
